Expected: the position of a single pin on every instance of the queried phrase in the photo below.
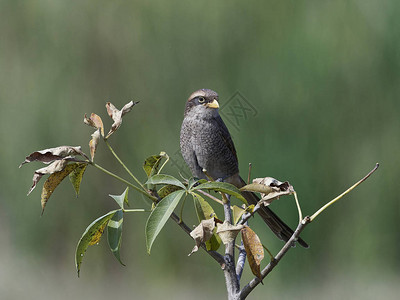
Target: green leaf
(91, 236)
(204, 211)
(120, 199)
(237, 214)
(214, 242)
(165, 179)
(166, 190)
(160, 215)
(76, 176)
(114, 234)
(222, 187)
(151, 164)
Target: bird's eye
(202, 99)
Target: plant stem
(211, 196)
(254, 282)
(298, 207)
(123, 180)
(136, 210)
(344, 193)
(124, 166)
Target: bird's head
(204, 102)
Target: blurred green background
(323, 78)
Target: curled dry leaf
(48, 155)
(54, 180)
(228, 232)
(254, 250)
(56, 166)
(95, 122)
(94, 142)
(117, 115)
(202, 233)
(269, 188)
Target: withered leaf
(228, 232)
(76, 176)
(254, 250)
(269, 188)
(94, 142)
(53, 181)
(56, 166)
(117, 115)
(48, 155)
(202, 233)
(95, 122)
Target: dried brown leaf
(56, 166)
(202, 233)
(95, 122)
(49, 155)
(228, 232)
(254, 250)
(53, 181)
(94, 142)
(269, 188)
(117, 115)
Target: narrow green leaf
(91, 236)
(204, 211)
(160, 215)
(120, 199)
(222, 187)
(165, 179)
(114, 234)
(76, 176)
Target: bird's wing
(224, 132)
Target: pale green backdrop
(322, 79)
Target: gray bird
(206, 144)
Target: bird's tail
(281, 230)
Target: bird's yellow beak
(213, 104)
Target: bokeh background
(322, 77)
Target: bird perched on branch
(206, 144)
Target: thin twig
(231, 279)
(247, 216)
(241, 261)
(210, 196)
(123, 165)
(255, 281)
(298, 207)
(344, 193)
(249, 174)
(123, 180)
(300, 227)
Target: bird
(207, 146)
